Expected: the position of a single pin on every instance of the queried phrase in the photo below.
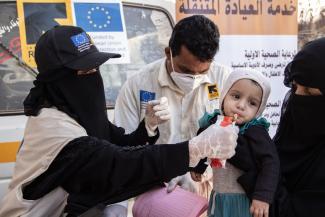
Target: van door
(15, 82)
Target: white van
(148, 25)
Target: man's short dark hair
(198, 34)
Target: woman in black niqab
(80, 96)
(300, 138)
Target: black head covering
(307, 66)
(57, 84)
(300, 138)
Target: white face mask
(187, 82)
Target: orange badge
(213, 92)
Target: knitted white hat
(247, 74)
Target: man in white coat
(191, 80)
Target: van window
(148, 32)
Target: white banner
(267, 54)
(104, 21)
(260, 35)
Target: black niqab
(307, 67)
(82, 97)
(300, 138)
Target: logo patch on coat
(213, 91)
(145, 97)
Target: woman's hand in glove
(157, 112)
(214, 142)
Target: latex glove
(259, 208)
(157, 112)
(115, 210)
(185, 181)
(214, 142)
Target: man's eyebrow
(185, 69)
(205, 70)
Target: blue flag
(80, 39)
(146, 96)
(99, 17)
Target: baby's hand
(196, 176)
(259, 208)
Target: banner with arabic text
(255, 34)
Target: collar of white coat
(165, 79)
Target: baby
(247, 184)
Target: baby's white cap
(247, 74)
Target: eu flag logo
(80, 39)
(99, 17)
(146, 96)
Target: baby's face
(244, 99)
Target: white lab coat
(186, 108)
